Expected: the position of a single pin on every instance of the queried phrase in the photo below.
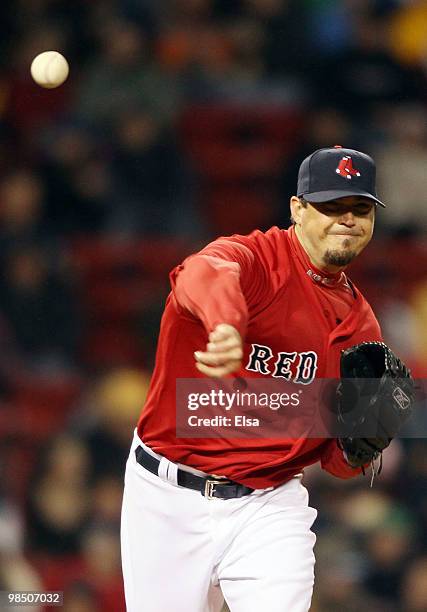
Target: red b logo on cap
(345, 168)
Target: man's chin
(339, 258)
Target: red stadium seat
(41, 405)
(125, 299)
(234, 146)
(158, 256)
(146, 257)
(99, 256)
(230, 142)
(225, 161)
(119, 282)
(239, 210)
(234, 122)
(112, 346)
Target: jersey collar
(317, 276)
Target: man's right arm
(209, 286)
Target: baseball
(49, 69)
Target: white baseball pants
(182, 552)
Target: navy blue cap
(328, 174)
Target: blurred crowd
(183, 120)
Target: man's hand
(224, 352)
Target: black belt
(209, 487)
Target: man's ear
(296, 209)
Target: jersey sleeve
(220, 283)
(334, 462)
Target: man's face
(334, 233)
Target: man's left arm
(333, 461)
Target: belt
(209, 487)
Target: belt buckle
(210, 485)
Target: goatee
(339, 258)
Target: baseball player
(211, 518)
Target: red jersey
(264, 285)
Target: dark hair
(304, 203)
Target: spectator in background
(11, 522)
(215, 70)
(78, 179)
(398, 319)
(390, 546)
(80, 597)
(106, 419)
(40, 308)
(189, 32)
(95, 585)
(224, 59)
(403, 153)
(330, 26)
(365, 76)
(407, 35)
(124, 75)
(102, 565)
(412, 483)
(287, 45)
(414, 588)
(22, 207)
(154, 190)
(59, 502)
(106, 500)
(339, 586)
(17, 574)
(417, 302)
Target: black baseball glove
(375, 398)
